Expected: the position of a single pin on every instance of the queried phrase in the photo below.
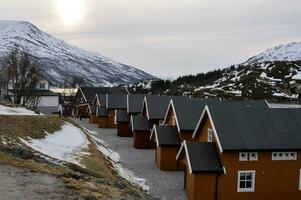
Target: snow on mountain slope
(60, 60)
(285, 52)
(274, 74)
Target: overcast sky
(166, 37)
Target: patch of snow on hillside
(297, 76)
(281, 94)
(114, 157)
(285, 52)
(5, 110)
(66, 144)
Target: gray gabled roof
(90, 92)
(256, 128)
(122, 116)
(102, 111)
(139, 123)
(102, 98)
(116, 101)
(166, 135)
(157, 105)
(135, 102)
(91, 109)
(201, 157)
(189, 111)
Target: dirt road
(23, 184)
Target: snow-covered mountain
(61, 61)
(273, 74)
(285, 52)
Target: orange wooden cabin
(123, 123)
(141, 132)
(92, 114)
(99, 102)
(180, 121)
(115, 102)
(134, 107)
(154, 109)
(258, 149)
(168, 144)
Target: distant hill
(61, 61)
(272, 74)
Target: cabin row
(226, 150)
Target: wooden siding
(166, 158)
(82, 111)
(111, 118)
(199, 186)
(123, 130)
(275, 180)
(141, 139)
(102, 122)
(185, 135)
(93, 119)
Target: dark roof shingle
(116, 101)
(122, 116)
(167, 135)
(256, 128)
(90, 92)
(135, 102)
(157, 105)
(139, 123)
(102, 111)
(203, 157)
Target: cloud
(170, 37)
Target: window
(42, 86)
(248, 156)
(209, 138)
(246, 181)
(253, 156)
(243, 156)
(284, 156)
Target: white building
(46, 100)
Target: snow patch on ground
(66, 144)
(5, 110)
(114, 157)
(297, 76)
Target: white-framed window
(243, 156)
(248, 156)
(284, 155)
(42, 86)
(210, 135)
(246, 181)
(253, 156)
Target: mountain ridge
(60, 60)
(273, 74)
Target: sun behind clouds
(71, 11)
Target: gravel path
(163, 184)
(22, 184)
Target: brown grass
(97, 181)
(14, 127)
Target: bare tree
(23, 74)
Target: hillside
(274, 74)
(60, 152)
(61, 61)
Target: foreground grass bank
(96, 180)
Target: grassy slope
(97, 181)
